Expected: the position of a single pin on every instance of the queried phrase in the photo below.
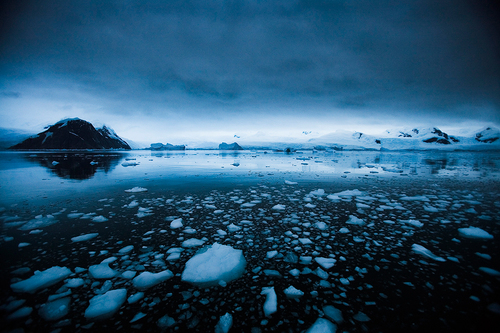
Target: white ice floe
(214, 263)
(192, 242)
(135, 297)
(322, 325)
(74, 283)
(279, 207)
(326, 263)
(102, 271)
(55, 310)
(348, 193)
(355, 220)
(99, 219)
(271, 303)
(490, 271)
(225, 323)
(126, 249)
(333, 313)
(414, 223)
(233, 228)
(85, 237)
(136, 189)
(147, 280)
(105, 306)
(290, 182)
(473, 232)
(41, 279)
(415, 198)
(292, 292)
(176, 224)
(425, 252)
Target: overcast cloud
(174, 69)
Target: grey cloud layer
(397, 55)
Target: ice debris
(426, 253)
(473, 232)
(41, 279)
(105, 306)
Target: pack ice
(473, 232)
(214, 263)
(41, 279)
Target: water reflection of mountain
(78, 166)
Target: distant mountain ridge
(74, 133)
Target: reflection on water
(78, 166)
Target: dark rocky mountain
(232, 146)
(441, 137)
(74, 134)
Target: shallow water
(376, 272)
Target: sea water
(352, 241)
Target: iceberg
(41, 279)
(214, 263)
(271, 303)
(105, 306)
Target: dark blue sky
(166, 70)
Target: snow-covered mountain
(420, 138)
(74, 133)
(11, 136)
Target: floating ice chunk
(128, 274)
(39, 222)
(23, 244)
(133, 204)
(292, 292)
(322, 325)
(279, 207)
(344, 230)
(224, 324)
(147, 280)
(484, 255)
(431, 209)
(305, 241)
(271, 303)
(318, 193)
(348, 193)
(415, 198)
(290, 182)
(127, 164)
(221, 232)
(105, 306)
(85, 237)
(233, 228)
(74, 283)
(355, 220)
(426, 253)
(165, 322)
(177, 223)
(138, 316)
(137, 189)
(99, 219)
(126, 249)
(320, 225)
(74, 215)
(360, 316)
(21, 313)
(41, 279)
(326, 263)
(174, 256)
(414, 223)
(102, 271)
(473, 232)
(55, 310)
(490, 271)
(135, 297)
(271, 254)
(214, 263)
(192, 242)
(333, 313)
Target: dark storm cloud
(397, 55)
